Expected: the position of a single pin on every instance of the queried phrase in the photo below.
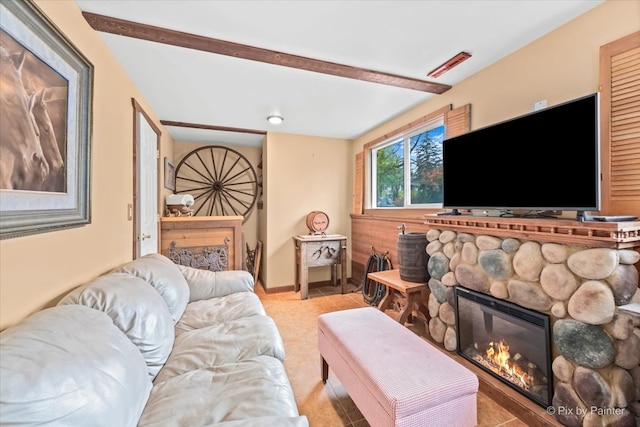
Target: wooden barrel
(317, 222)
(412, 257)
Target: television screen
(545, 160)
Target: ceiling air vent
(438, 71)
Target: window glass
(421, 150)
(390, 175)
(426, 166)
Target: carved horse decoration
(23, 164)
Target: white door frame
(138, 112)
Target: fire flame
(499, 356)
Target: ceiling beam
(212, 127)
(221, 47)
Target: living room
(37, 270)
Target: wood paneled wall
(381, 234)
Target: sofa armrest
(205, 284)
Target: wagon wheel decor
(221, 180)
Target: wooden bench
(394, 377)
(412, 291)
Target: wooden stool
(410, 290)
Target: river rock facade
(596, 347)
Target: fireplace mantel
(613, 235)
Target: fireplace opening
(510, 342)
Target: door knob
(145, 236)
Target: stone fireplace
(578, 274)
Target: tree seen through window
(426, 166)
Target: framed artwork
(169, 175)
(45, 143)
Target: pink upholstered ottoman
(394, 377)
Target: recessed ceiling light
(275, 120)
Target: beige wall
(302, 174)
(36, 270)
(557, 67)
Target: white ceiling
(407, 38)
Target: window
(411, 161)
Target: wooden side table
(410, 290)
(318, 251)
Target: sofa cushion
(136, 308)
(200, 314)
(256, 387)
(205, 284)
(161, 273)
(69, 365)
(223, 343)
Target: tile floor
(328, 405)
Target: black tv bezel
(456, 207)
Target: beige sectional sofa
(150, 343)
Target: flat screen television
(547, 160)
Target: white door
(147, 188)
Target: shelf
(616, 235)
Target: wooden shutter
(620, 126)
(457, 121)
(358, 184)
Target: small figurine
(179, 210)
(179, 205)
